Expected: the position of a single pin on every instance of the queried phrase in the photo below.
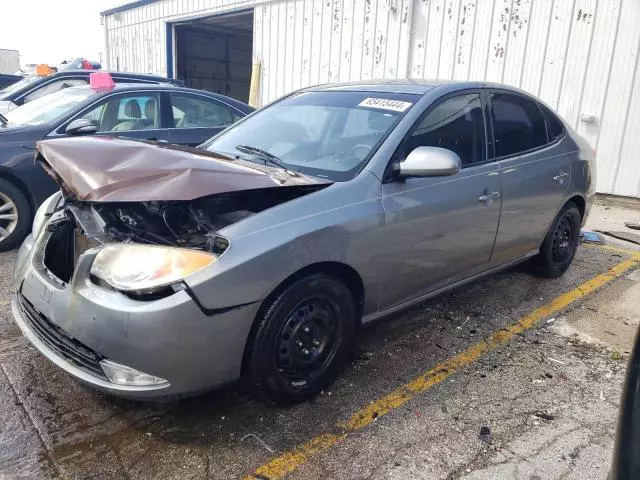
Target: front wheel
(15, 216)
(301, 341)
(560, 245)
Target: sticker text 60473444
(385, 104)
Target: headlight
(39, 218)
(136, 267)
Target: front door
(131, 115)
(535, 175)
(441, 229)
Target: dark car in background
(162, 112)
(35, 86)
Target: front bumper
(170, 338)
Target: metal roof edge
(126, 6)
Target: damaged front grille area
(58, 341)
(59, 252)
(64, 244)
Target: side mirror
(81, 126)
(430, 162)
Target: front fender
(333, 225)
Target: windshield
(14, 87)
(49, 107)
(328, 134)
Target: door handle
(488, 197)
(560, 177)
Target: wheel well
(580, 203)
(341, 271)
(338, 270)
(20, 186)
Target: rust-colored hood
(102, 169)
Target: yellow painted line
(625, 251)
(289, 461)
(4, 303)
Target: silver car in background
(161, 271)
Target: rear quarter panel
(583, 170)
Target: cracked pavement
(549, 398)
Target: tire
(300, 342)
(13, 203)
(560, 245)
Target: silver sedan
(162, 271)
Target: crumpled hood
(103, 169)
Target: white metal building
(9, 61)
(580, 56)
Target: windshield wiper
(262, 154)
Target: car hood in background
(102, 169)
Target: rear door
(195, 118)
(534, 174)
(441, 229)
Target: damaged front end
(125, 193)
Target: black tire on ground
(300, 340)
(25, 216)
(560, 245)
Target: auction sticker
(385, 104)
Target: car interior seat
(150, 111)
(132, 110)
(190, 119)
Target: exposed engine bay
(77, 226)
(126, 191)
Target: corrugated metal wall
(135, 39)
(579, 56)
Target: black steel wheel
(561, 243)
(300, 340)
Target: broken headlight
(39, 219)
(139, 268)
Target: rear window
(556, 128)
(518, 124)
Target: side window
(190, 111)
(54, 87)
(518, 124)
(556, 128)
(456, 124)
(125, 113)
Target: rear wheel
(560, 245)
(15, 216)
(301, 341)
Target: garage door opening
(214, 54)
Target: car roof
(134, 87)
(410, 86)
(142, 76)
